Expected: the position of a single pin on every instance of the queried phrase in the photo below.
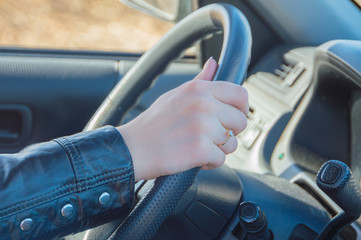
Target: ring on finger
(229, 134)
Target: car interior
(303, 81)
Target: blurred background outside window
(358, 2)
(105, 25)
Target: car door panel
(60, 93)
(44, 96)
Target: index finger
(231, 94)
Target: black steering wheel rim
(149, 214)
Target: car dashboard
(295, 124)
(301, 117)
(273, 98)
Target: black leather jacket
(66, 185)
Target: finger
(215, 131)
(232, 118)
(229, 146)
(208, 71)
(217, 158)
(231, 94)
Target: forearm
(73, 171)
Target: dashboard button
(250, 137)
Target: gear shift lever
(336, 180)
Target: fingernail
(206, 64)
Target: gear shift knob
(253, 219)
(336, 180)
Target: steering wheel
(153, 209)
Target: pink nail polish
(206, 64)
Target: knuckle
(242, 93)
(244, 99)
(194, 86)
(240, 124)
(243, 122)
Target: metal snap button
(26, 224)
(67, 210)
(104, 198)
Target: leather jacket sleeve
(66, 185)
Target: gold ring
(230, 134)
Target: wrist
(137, 167)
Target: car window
(82, 24)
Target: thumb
(208, 71)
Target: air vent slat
(290, 73)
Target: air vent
(290, 73)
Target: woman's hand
(187, 127)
